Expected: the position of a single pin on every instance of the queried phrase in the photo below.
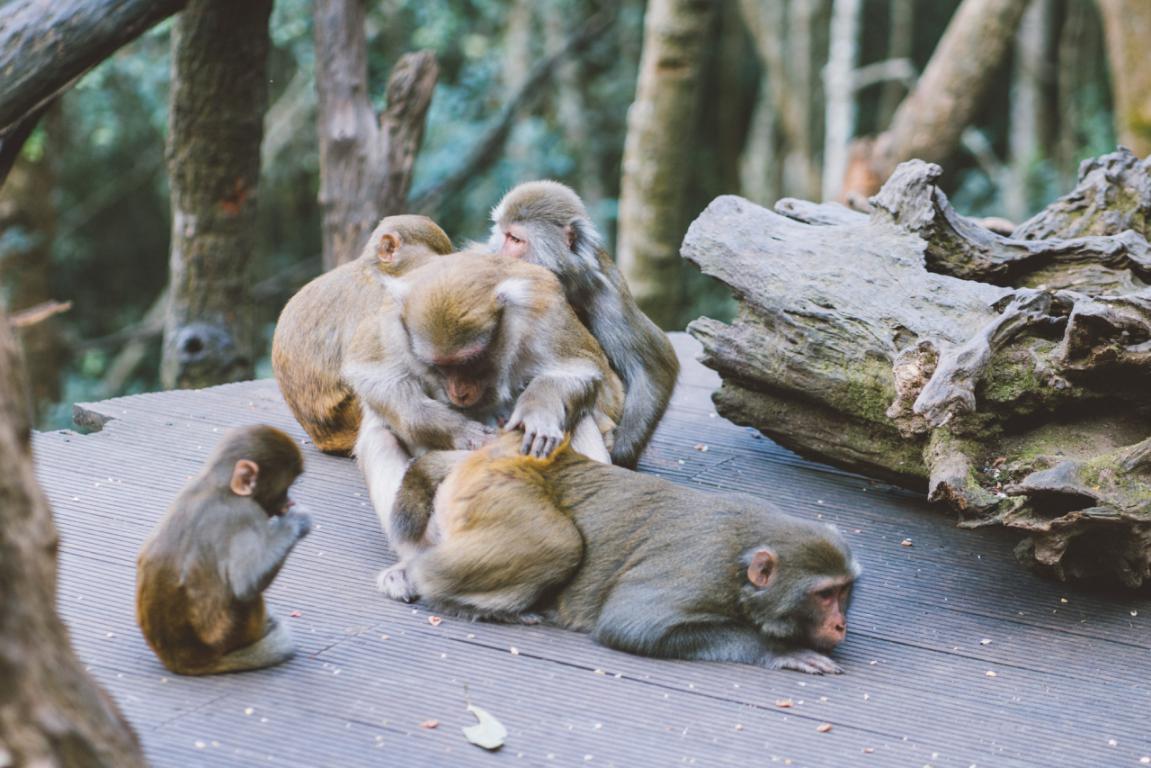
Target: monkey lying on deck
(201, 574)
(645, 565)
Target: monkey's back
(658, 540)
(312, 334)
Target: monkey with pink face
(546, 223)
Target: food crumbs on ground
(1063, 600)
(248, 711)
(430, 724)
(905, 543)
(385, 637)
(989, 673)
(784, 703)
(514, 651)
(599, 672)
(200, 745)
(985, 641)
(296, 614)
(823, 727)
(1146, 760)
(1112, 743)
(1134, 613)
(739, 726)
(868, 750)
(435, 621)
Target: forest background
(85, 214)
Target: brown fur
(317, 325)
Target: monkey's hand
(804, 660)
(394, 583)
(472, 436)
(300, 522)
(543, 429)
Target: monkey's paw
(811, 662)
(394, 583)
(474, 436)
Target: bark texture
(51, 711)
(218, 96)
(366, 160)
(1009, 377)
(657, 152)
(1127, 26)
(46, 46)
(930, 121)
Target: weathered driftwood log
(1010, 377)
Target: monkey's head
(797, 591)
(453, 311)
(546, 223)
(258, 461)
(400, 243)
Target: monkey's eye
(515, 240)
(826, 594)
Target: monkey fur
(546, 223)
(201, 574)
(318, 323)
(644, 565)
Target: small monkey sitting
(201, 574)
(644, 565)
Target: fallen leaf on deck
(488, 733)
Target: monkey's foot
(394, 583)
(811, 662)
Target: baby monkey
(201, 574)
(644, 565)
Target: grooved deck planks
(1069, 676)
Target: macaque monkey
(545, 223)
(317, 325)
(201, 574)
(645, 565)
(474, 342)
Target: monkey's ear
(570, 234)
(244, 477)
(762, 567)
(389, 244)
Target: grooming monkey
(201, 574)
(545, 223)
(473, 341)
(317, 324)
(645, 565)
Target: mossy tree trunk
(657, 152)
(366, 161)
(1009, 377)
(216, 122)
(1127, 26)
(51, 711)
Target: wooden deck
(955, 657)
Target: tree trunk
(1081, 69)
(900, 46)
(656, 157)
(760, 171)
(28, 219)
(839, 92)
(1127, 25)
(46, 46)
(1010, 378)
(572, 110)
(365, 161)
(1031, 110)
(930, 121)
(51, 711)
(218, 96)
